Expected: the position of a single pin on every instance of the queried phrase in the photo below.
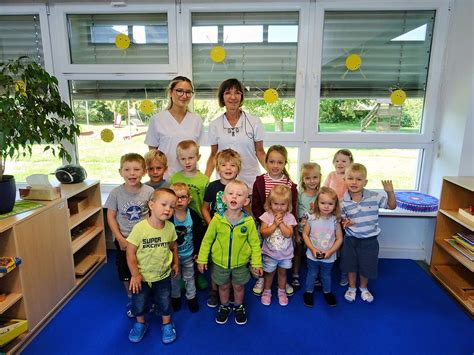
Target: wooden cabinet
(452, 269)
(59, 251)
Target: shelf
(466, 182)
(11, 299)
(85, 238)
(83, 266)
(81, 278)
(456, 254)
(76, 219)
(457, 217)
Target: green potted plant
(31, 112)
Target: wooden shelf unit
(53, 244)
(452, 269)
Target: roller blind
(394, 46)
(117, 89)
(20, 35)
(92, 38)
(258, 59)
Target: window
(366, 56)
(256, 53)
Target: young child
(335, 180)
(310, 183)
(188, 156)
(127, 205)
(232, 240)
(156, 166)
(276, 228)
(322, 235)
(275, 160)
(152, 256)
(190, 231)
(228, 166)
(360, 212)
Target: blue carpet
(411, 315)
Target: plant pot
(7, 194)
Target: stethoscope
(234, 130)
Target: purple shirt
(277, 246)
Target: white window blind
(20, 35)
(117, 89)
(391, 56)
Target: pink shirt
(336, 183)
(277, 246)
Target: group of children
(168, 235)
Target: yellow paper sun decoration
(107, 135)
(122, 41)
(217, 54)
(147, 107)
(353, 62)
(270, 96)
(398, 97)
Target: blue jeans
(186, 266)
(314, 267)
(159, 292)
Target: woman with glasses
(175, 124)
(237, 130)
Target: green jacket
(231, 246)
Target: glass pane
(243, 34)
(381, 164)
(204, 34)
(115, 106)
(283, 34)
(374, 70)
(92, 39)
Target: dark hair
(227, 85)
(282, 150)
(345, 152)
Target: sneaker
(137, 332)
(266, 297)
(308, 299)
(282, 297)
(318, 286)
(289, 290)
(344, 281)
(176, 303)
(223, 314)
(258, 288)
(350, 295)
(193, 305)
(330, 299)
(212, 299)
(296, 282)
(240, 316)
(201, 282)
(366, 296)
(168, 333)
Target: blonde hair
(178, 186)
(238, 183)
(333, 195)
(345, 152)
(305, 169)
(129, 157)
(156, 154)
(173, 84)
(278, 191)
(356, 168)
(186, 145)
(282, 150)
(160, 191)
(229, 155)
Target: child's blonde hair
(187, 145)
(282, 150)
(160, 191)
(345, 152)
(305, 169)
(333, 195)
(229, 155)
(278, 191)
(129, 157)
(239, 183)
(180, 186)
(357, 168)
(158, 155)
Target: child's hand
(387, 185)
(123, 243)
(136, 283)
(257, 271)
(328, 254)
(315, 252)
(278, 219)
(174, 270)
(202, 268)
(346, 222)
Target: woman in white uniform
(237, 130)
(175, 124)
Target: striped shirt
(271, 182)
(364, 214)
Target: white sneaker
(350, 295)
(289, 290)
(258, 288)
(366, 296)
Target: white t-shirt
(242, 139)
(165, 133)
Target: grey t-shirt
(131, 207)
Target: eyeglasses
(181, 92)
(184, 197)
(230, 93)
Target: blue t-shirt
(184, 231)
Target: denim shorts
(158, 293)
(270, 264)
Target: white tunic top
(165, 133)
(242, 139)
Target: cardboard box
(46, 194)
(77, 204)
(11, 328)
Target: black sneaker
(212, 299)
(308, 299)
(330, 299)
(240, 316)
(223, 314)
(176, 303)
(318, 285)
(193, 305)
